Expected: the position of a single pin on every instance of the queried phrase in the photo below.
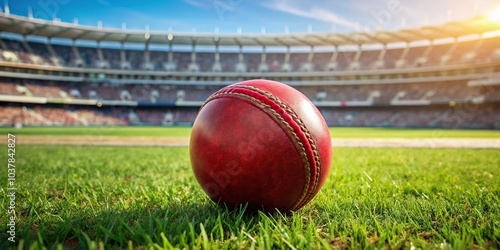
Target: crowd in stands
(475, 51)
(466, 109)
(94, 91)
(461, 116)
(43, 115)
(9, 116)
(8, 88)
(92, 117)
(377, 93)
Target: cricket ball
(260, 143)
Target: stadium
(450, 81)
(83, 88)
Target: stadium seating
(421, 85)
(80, 56)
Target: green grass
(147, 197)
(411, 133)
(185, 131)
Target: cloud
(195, 3)
(317, 13)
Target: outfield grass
(185, 131)
(133, 197)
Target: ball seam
(303, 154)
(306, 195)
(306, 132)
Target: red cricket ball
(260, 142)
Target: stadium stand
(422, 82)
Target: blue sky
(252, 15)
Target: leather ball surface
(260, 143)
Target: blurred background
(383, 63)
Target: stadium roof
(55, 29)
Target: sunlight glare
(494, 16)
